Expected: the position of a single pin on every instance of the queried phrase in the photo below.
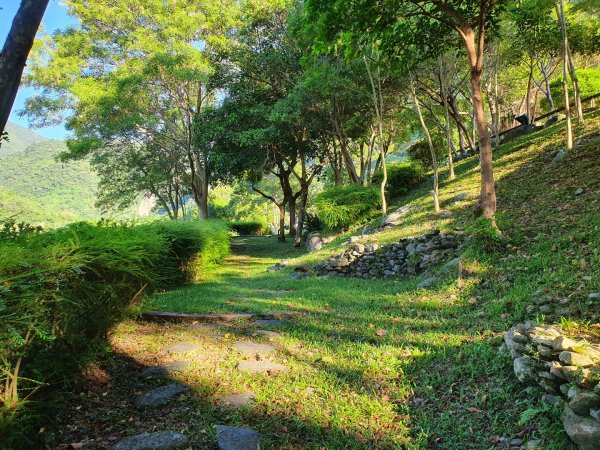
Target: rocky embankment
(567, 369)
(408, 257)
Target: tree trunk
(301, 217)
(347, 157)
(560, 14)
(447, 118)
(487, 197)
(454, 111)
(292, 208)
(15, 52)
(436, 198)
(378, 105)
(575, 81)
(529, 85)
(281, 222)
(203, 205)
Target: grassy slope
(38, 189)
(435, 379)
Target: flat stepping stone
(182, 317)
(203, 327)
(237, 438)
(182, 347)
(166, 369)
(216, 336)
(163, 316)
(253, 348)
(238, 400)
(161, 395)
(267, 333)
(256, 367)
(161, 440)
(268, 323)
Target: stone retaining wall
(409, 257)
(567, 369)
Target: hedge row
(62, 291)
(248, 228)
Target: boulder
(161, 440)
(428, 282)
(584, 431)
(393, 218)
(237, 438)
(161, 395)
(575, 359)
(523, 368)
(582, 402)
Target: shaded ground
(376, 364)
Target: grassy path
(374, 364)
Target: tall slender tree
(412, 26)
(15, 52)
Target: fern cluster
(341, 207)
(63, 290)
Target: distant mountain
(19, 139)
(35, 188)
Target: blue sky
(56, 17)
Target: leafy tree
(135, 75)
(410, 26)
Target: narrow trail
(293, 364)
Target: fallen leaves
(474, 410)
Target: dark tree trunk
(292, 208)
(15, 52)
(282, 222)
(301, 217)
(203, 205)
(487, 196)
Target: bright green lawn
(435, 380)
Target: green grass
(435, 380)
(377, 364)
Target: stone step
(238, 400)
(181, 347)
(165, 316)
(256, 367)
(253, 348)
(237, 438)
(267, 333)
(164, 370)
(161, 395)
(160, 440)
(268, 323)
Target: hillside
(36, 188)
(383, 363)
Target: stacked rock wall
(567, 369)
(408, 257)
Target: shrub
(402, 177)
(341, 207)
(191, 247)
(62, 291)
(589, 84)
(313, 223)
(248, 228)
(420, 151)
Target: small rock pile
(315, 242)
(409, 257)
(568, 370)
